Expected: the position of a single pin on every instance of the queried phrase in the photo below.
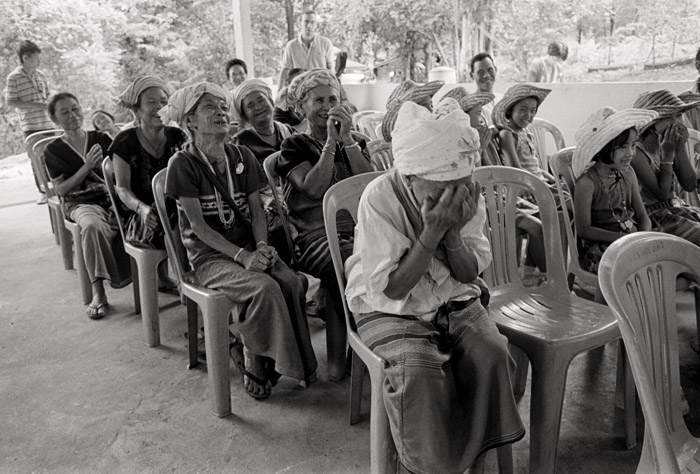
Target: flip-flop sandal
(265, 384)
(169, 289)
(97, 311)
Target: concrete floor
(82, 396)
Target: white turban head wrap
(184, 100)
(248, 87)
(130, 97)
(439, 146)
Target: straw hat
(467, 100)
(664, 102)
(406, 91)
(689, 97)
(600, 128)
(515, 94)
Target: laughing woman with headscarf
(314, 161)
(140, 152)
(224, 230)
(414, 291)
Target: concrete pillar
(243, 34)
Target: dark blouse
(144, 166)
(62, 160)
(305, 212)
(250, 139)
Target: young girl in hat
(607, 201)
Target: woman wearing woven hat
(138, 154)
(420, 94)
(311, 163)
(224, 230)
(414, 291)
(262, 135)
(661, 163)
(607, 200)
(472, 105)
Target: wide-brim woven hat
(404, 92)
(514, 95)
(689, 97)
(664, 102)
(467, 100)
(602, 127)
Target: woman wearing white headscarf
(414, 291)
(224, 230)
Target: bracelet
(325, 150)
(666, 162)
(423, 244)
(454, 249)
(235, 257)
(355, 144)
(257, 246)
(138, 208)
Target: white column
(243, 34)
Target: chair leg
(357, 375)
(696, 294)
(54, 226)
(383, 456)
(546, 401)
(216, 331)
(85, 283)
(66, 245)
(336, 339)
(148, 292)
(505, 459)
(135, 285)
(626, 379)
(192, 333)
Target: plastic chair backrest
(108, 173)
(560, 164)
(540, 128)
(367, 124)
(378, 130)
(638, 280)
(692, 197)
(501, 186)
(343, 195)
(39, 159)
(174, 255)
(270, 167)
(380, 154)
(357, 115)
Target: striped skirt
(681, 220)
(447, 391)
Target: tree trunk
(465, 50)
(289, 10)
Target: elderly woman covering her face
(314, 161)
(414, 290)
(74, 163)
(224, 230)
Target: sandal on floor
(170, 288)
(97, 311)
(265, 384)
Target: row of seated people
(423, 292)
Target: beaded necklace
(231, 219)
(624, 218)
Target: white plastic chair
(215, 305)
(541, 128)
(549, 323)
(357, 115)
(367, 124)
(638, 279)
(380, 154)
(145, 276)
(693, 141)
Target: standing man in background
(236, 72)
(549, 68)
(308, 51)
(28, 91)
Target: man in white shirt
(483, 70)
(308, 51)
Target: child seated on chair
(606, 197)
(414, 292)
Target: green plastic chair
(638, 276)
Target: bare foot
(97, 309)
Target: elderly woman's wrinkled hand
(94, 157)
(469, 205)
(340, 123)
(254, 261)
(268, 251)
(148, 216)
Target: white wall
(567, 106)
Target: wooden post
(243, 34)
